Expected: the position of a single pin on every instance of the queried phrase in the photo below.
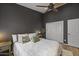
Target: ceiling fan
(50, 7)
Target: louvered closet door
(54, 31)
(73, 32)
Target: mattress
(42, 48)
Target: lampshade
(3, 37)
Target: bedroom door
(54, 31)
(73, 31)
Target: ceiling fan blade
(41, 6)
(50, 7)
(55, 10)
(48, 10)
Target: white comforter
(41, 48)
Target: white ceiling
(39, 9)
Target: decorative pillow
(14, 37)
(25, 39)
(35, 39)
(31, 35)
(20, 37)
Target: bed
(42, 48)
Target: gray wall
(18, 19)
(66, 12)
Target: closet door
(73, 32)
(54, 31)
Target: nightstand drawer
(4, 48)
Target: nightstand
(4, 46)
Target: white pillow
(20, 37)
(14, 37)
(31, 35)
